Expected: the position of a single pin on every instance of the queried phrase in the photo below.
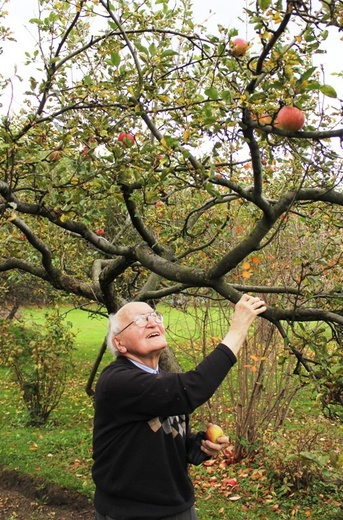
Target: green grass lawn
(60, 451)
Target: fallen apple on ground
(230, 482)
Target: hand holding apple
(213, 432)
(211, 446)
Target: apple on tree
(127, 139)
(239, 47)
(55, 155)
(213, 432)
(290, 119)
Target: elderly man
(142, 443)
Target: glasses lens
(158, 317)
(142, 320)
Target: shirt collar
(144, 367)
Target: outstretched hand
(246, 311)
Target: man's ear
(117, 344)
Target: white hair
(114, 327)
(115, 324)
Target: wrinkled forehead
(130, 311)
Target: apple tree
(148, 159)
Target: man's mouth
(153, 335)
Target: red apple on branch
(127, 139)
(239, 47)
(290, 119)
(213, 432)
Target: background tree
(206, 188)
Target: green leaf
(141, 48)
(115, 59)
(314, 85)
(37, 21)
(264, 4)
(328, 91)
(306, 75)
(212, 190)
(152, 49)
(258, 96)
(212, 93)
(88, 81)
(227, 95)
(169, 52)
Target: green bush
(302, 461)
(40, 362)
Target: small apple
(290, 119)
(239, 47)
(55, 156)
(230, 482)
(213, 432)
(128, 140)
(100, 232)
(264, 119)
(85, 152)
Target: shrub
(40, 362)
(302, 461)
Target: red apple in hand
(239, 47)
(213, 432)
(127, 139)
(290, 119)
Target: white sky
(225, 12)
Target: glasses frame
(146, 316)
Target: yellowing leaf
(186, 135)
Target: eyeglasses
(142, 320)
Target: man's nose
(150, 320)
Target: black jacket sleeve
(195, 455)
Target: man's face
(140, 342)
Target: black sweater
(141, 442)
